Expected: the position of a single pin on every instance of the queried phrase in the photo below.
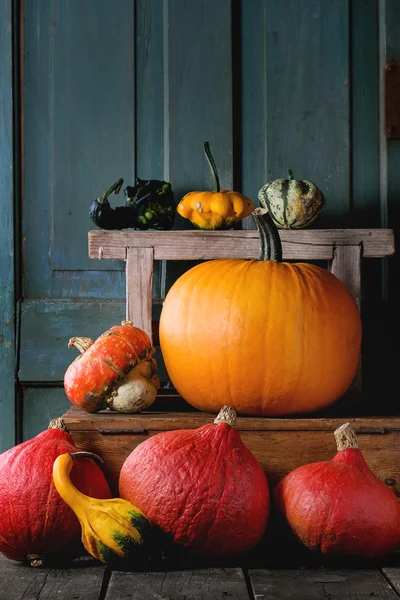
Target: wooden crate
(280, 444)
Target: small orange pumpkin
(263, 336)
(219, 209)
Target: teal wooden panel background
(135, 87)
(7, 306)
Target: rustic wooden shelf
(280, 444)
(343, 248)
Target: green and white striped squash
(291, 203)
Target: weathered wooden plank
(94, 88)
(390, 148)
(393, 575)
(315, 584)
(7, 309)
(166, 421)
(197, 99)
(201, 584)
(253, 100)
(346, 265)
(296, 448)
(307, 94)
(364, 197)
(190, 245)
(47, 326)
(82, 581)
(300, 441)
(139, 287)
(40, 406)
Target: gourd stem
(36, 560)
(345, 437)
(57, 423)
(290, 173)
(226, 415)
(213, 166)
(270, 242)
(115, 187)
(81, 343)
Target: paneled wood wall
(114, 88)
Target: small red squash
(112, 365)
(202, 486)
(35, 522)
(341, 507)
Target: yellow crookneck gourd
(219, 209)
(112, 530)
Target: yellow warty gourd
(112, 530)
(218, 209)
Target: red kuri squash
(35, 522)
(117, 370)
(341, 507)
(202, 486)
(263, 336)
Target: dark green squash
(149, 205)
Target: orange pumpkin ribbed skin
(93, 375)
(264, 337)
(34, 518)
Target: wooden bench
(114, 435)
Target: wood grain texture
(346, 265)
(82, 581)
(280, 445)
(322, 583)
(200, 584)
(393, 576)
(307, 99)
(190, 245)
(139, 287)
(47, 326)
(7, 308)
(197, 99)
(78, 419)
(40, 406)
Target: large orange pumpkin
(263, 336)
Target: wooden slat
(278, 452)
(77, 419)
(317, 244)
(81, 582)
(393, 576)
(7, 307)
(139, 287)
(201, 584)
(346, 265)
(315, 584)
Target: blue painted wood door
(135, 87)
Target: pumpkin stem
(270, 242)
(226, 415)
(213, 166)
(36, 560)
(57, 423)
(345, 437)
(290, 173)
(115, 187)
(81, 343)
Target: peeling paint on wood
(7, 308)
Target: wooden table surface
(86, 579)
